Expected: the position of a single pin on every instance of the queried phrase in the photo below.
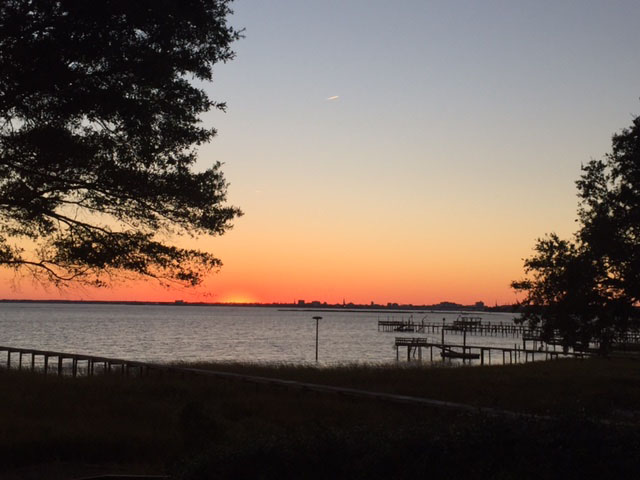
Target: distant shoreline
(292, 307)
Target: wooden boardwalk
(134, 367)
(61, 362)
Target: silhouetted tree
(589, 287)
(99, 120)
(562, 296)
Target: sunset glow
(455, 143)
(238, 298)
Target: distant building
(301, 302)
(479, 305)
(448, 305)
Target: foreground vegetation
(197, 428)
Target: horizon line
(313, 304)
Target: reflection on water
(190, 333)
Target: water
(160, 333)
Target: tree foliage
(99, 124)
(588, 288)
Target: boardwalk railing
(124, 366)
(72, 361)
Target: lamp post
(317, 319)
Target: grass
(598, 387)
(206, 428)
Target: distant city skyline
(296, 304)
(402, 152)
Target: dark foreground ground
(201, 428)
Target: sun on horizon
(239, 298)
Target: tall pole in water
(317, 319)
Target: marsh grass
(597, 387)
(196, 427)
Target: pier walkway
(468, 353)
(480, 329)
(627, 341)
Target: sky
(406, 151)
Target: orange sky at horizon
(315, 268)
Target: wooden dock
(401, 326)
(469, 353)
(477, 329)
(627, 341)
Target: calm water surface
(190, 333)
